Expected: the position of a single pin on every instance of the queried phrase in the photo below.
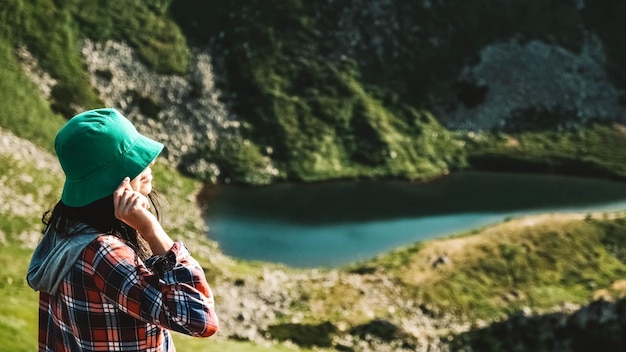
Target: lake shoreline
(335, 223)
(205, 195)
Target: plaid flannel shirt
(112, 301)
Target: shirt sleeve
(175, 295)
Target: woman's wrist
(156, 237)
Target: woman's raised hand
(131, 206)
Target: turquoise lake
(335, 223)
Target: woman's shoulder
(109, 247)
(108, 239)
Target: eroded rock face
(490, 74)
(513, 78)
(184, 113)
(35, 73)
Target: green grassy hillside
(538, 262)
(319, 107)
(338, 89)
(318, 116)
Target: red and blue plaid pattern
(112, 301)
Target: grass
(530, 262)
(186, 343)
(362, 115)
(18, 312)
(29, 116)
(308, 115)
(317, 115)
(592, 150)
(20, 231)
(52, 31)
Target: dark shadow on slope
(600, 326)
(361, 201)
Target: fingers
(125, 185)
(128, 202)
(119, 191)
(132, 206)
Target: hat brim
(105, 182)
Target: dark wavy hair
(100, 215)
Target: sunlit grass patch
(539, 262)
(19, 309)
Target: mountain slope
(328, 90)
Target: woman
(109, 276)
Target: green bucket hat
(97, 149)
